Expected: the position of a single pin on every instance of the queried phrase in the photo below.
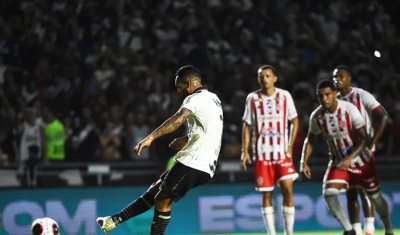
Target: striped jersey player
(268, 112)
(337, 129)
(364, 101)
(343, 127)
(269, 116)
(368, 106)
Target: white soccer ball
(45, 226)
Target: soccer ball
(45, 226)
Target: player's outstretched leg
(331, 192)
(353, 208)
(162, 214)
(268, 212)
(135, 208)
(368, 210)
(382, 209)
(288, 209)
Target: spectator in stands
(54, 137)
(31, 135)
(110, 141)
(9, 129)
(97, 54)
(233, 148)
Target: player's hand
(344, 164)
(143, 144)
(306, 170)
(178, 143)
(245, 159)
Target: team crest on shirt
(342, 124)
(260, 180)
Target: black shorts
(177, 181)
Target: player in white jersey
(196, 160)
(31, 136)
(368, 106)
(351, 163)
(269, 111)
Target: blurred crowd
(104, 69)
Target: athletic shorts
(267, 173)
(178, 180)
(364, 176)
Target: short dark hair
(343, 67)
(326, 84)
(267, 66)
(188, 72)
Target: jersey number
(213, 166)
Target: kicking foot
(106, 224)
(352, 232)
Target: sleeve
(369, 101)
(292, 112)
(356, 119)
(247, 116)
(313, 125)
(192, 102)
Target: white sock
(369, 226)
(357, 228)
(382, 208)
(336, 208)
(288, 219)
(269, 219)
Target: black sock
(137, 207)
(160, 222)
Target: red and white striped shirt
(269, 116)
(365, 103)
(338, 130)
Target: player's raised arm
(246, 132)
(172, 123)
(312, 135)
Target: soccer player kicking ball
(368, 106)
(343, 128)
(269, 110)
(195, 162)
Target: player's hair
(343, 67)
(188, 72)
(326, 84)
(267, 66)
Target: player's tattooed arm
(361, 144)
(172, 123)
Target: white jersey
(365, 103)
(30, 136)
(269, 116)
(205, 132)
(338, 130)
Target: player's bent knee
(329, 192)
